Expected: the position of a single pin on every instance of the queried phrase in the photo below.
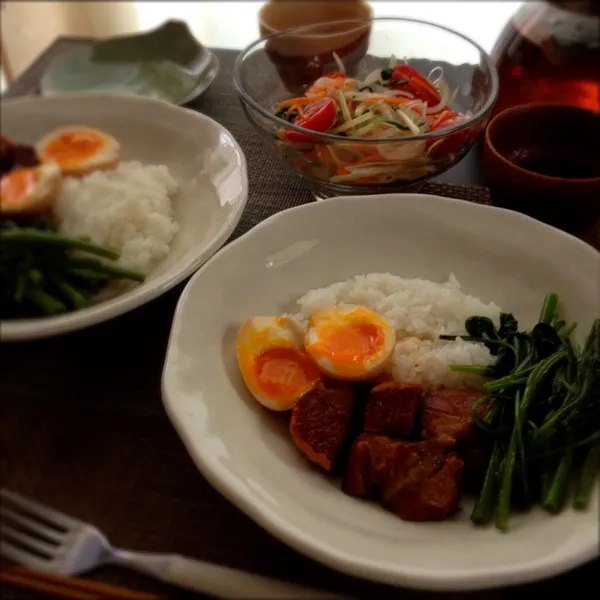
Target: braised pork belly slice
(321, 422)
(415, 480)
(16, 156)
(391, 408)
(447, 416)
(432, 498)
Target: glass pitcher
(550, 52)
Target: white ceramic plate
(201, 154)
(247, 454)
(74, 72)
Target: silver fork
(42, 538)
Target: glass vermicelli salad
(393, 102)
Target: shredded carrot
(320, 96)
(444, 115)
(294, 102)
(439, 118)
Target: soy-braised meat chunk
(6, 155)
(415, 480)
(377, 463)
(432, 498)
(320, 423)
(385, 377)
(14, 156)
(414, 462)
(370, 462)
(391, 408)
(447, 415)
(362, 389)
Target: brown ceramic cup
(544, 159)
(317, 30)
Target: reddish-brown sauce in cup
(543, 159)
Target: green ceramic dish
(167, 63)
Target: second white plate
(201, 155)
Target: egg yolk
(18, 185)
(71, 147)
(284, 372)
(351, 344)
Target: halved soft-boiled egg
(273, 362)
(349, 342)
(29, 191)
(80, 150)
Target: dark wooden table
(82, 425)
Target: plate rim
(308, 545)
(45, 327)
(213, 72)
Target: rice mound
(419, 311)
(128, 209)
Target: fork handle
(221, 582)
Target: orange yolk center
(285, 372)
(72, 147)
(18, 185)
(349, 344)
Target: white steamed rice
(419, 310)
(128, 209)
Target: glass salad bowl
(367, 106)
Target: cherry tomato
(455, 141)
(417, 85)
(319, 116)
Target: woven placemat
(82, 426)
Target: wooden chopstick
(46, 589)
(67, 588)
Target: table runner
(82, 426)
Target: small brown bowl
(544, 159)
(316, 30)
